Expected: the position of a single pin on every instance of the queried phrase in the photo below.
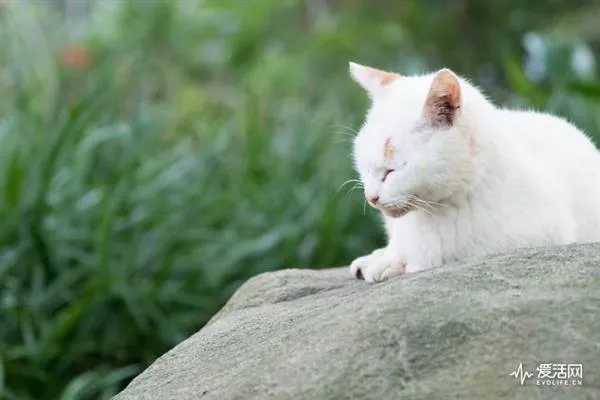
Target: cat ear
(444, 99)
(372, 80)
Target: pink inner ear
(444, 99)
(446, 86)
(384, 77)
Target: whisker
(356, 186)
(424, 209)
(347, 134)
(425, 204)
(344, 140)
(345, 129)
(416, 201)
(417, 205)
(434, 203)
(352, 180)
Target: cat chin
(397, 212)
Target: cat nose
(373, 199)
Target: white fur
(495, 180)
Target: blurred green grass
(156, 154)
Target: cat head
(414, 148)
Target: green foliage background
(156, 154)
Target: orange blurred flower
(74, 57)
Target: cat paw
(362, 263)
(376, 267)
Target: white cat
(456, 176)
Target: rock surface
(454, 332)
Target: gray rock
(454, 332)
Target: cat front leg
(378, 266)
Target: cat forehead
(401, 106)
(407, 91)
(395, 113)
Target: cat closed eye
(386, 173)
